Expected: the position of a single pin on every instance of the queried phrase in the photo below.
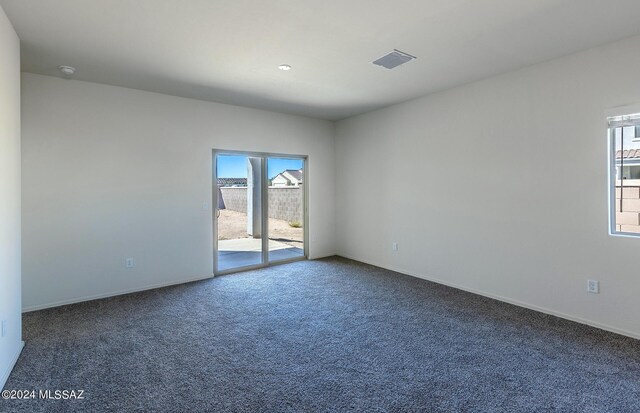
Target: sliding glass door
(260, 210)
(285, 208)
(239, 211)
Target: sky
(235, 166)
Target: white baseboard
(422, 276)
(121, 292)
(12, 363)
(506, 300)
(110, 294)
(318, 257)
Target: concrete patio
(244, 252)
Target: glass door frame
(264, 203)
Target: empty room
(298, 206)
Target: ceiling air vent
(393, 59)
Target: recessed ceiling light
(284, 67)
(67, 71)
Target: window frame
(612, 167)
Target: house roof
(232, 181)
(629, 154)
(295, 173)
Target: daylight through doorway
(259, 214)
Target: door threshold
(259, 266)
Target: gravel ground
(233, 225)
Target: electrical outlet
(394, 246)
(129, 263)
(4, 328)
(593, 286)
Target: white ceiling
(228, 50)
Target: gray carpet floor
(321, 336)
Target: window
(624, 136)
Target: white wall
(11, 343)
(110, 173)
(499, 187)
